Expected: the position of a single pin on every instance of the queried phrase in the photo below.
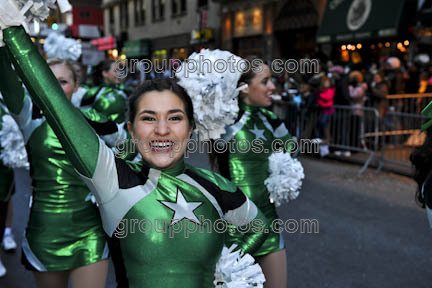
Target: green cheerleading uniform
(107, 99)
(248, 168)
(153, 204)
(64, 229)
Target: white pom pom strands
(22, 12)
(13, 153)
(285, 179)
(64, 5)
(210, 78)
(58, 46)
(11, 14)
(235, 270)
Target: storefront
(295, 28)
(364, 30)
(172, 46)
(248, 30)
(137, 48)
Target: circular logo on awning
(358, 13)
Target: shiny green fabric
(43, 85)
(249, 169)
(111, 102)
(64, 229)
(155, 259)
(151, 259)
(180, 261)
(9, 84)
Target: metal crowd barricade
(400, 128)
(400, 134)
(351, 129)
(390, 138)
(408, 103)
(355, 129)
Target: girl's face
(65, 78)
(161, 128)
(110, 76)
(260, 88)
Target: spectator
(325, 97)
(357, 89)
(341, 116)
(379, 91)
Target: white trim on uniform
(114, 203)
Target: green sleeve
(76, 136)
(253, 234)
(10, 87)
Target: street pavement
(370, 231)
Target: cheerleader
(159, 187)
(64, 238)
(249, 169)
(108, 96)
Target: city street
(371, 232)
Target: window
(183, 6)
(178, 7)
(111, 15)
(158, 9)
(124, 15)
(174, 7)
(202, 3)
(84, 14)
(140, 12)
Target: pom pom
(64, 5)
(214, 94)
(1, 39)
(235, 270)
(13, 153)
(22, 12)
(285, 179)
(58, 46)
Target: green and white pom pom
(285, 179)
(235, 270)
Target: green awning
(137, 48)
(347, 20)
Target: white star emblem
(182, 209)
(259, 133)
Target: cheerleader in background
(108, 96)
(64, 238)
(249, 169)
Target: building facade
(270, 28)
(162, 28)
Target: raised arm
(76, 136)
